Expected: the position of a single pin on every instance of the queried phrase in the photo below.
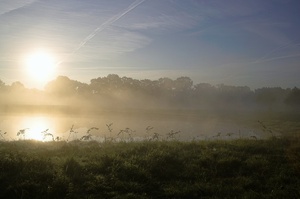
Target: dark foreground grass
(204, 169)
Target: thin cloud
(237, 69)
(112, 41)
(268, 31)
(106, 24)
(164, 17)
(218, 10)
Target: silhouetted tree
(164, 91)
(264, 96)
(270, 96)
(204, 94)
(148, 86)
(182, 90)
(106, 85)
(1, 83)
(166, 84)
(293, 98)
(2, 86)
(17, 87)
(183, 84)
(131, 84)
(64, 86)
(113, 81)
(234, 94)
(204, 88)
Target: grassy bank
(202, 169)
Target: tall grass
(241, 168)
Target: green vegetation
(151, 169)
(64, 95)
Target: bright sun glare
(35, 126)
(40, 65)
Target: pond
(127, 124)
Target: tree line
(181, 91)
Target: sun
(40, 65)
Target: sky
(251, 43)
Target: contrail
(108, 22)
(278, 57)
(264, 58)
(18, 7)
(104, 25)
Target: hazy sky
(236, 42)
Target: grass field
(151, 169)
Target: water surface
(167, 124)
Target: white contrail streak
(109, 22)
(265, 57)
(278, 57)
(104, 25)
(17, 7)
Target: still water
(165, 125)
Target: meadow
(240, 168)
(148, 139)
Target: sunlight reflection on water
(20, 127)
(37, 126)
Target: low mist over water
(149, 99)
(187, 127)
(128, 109)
